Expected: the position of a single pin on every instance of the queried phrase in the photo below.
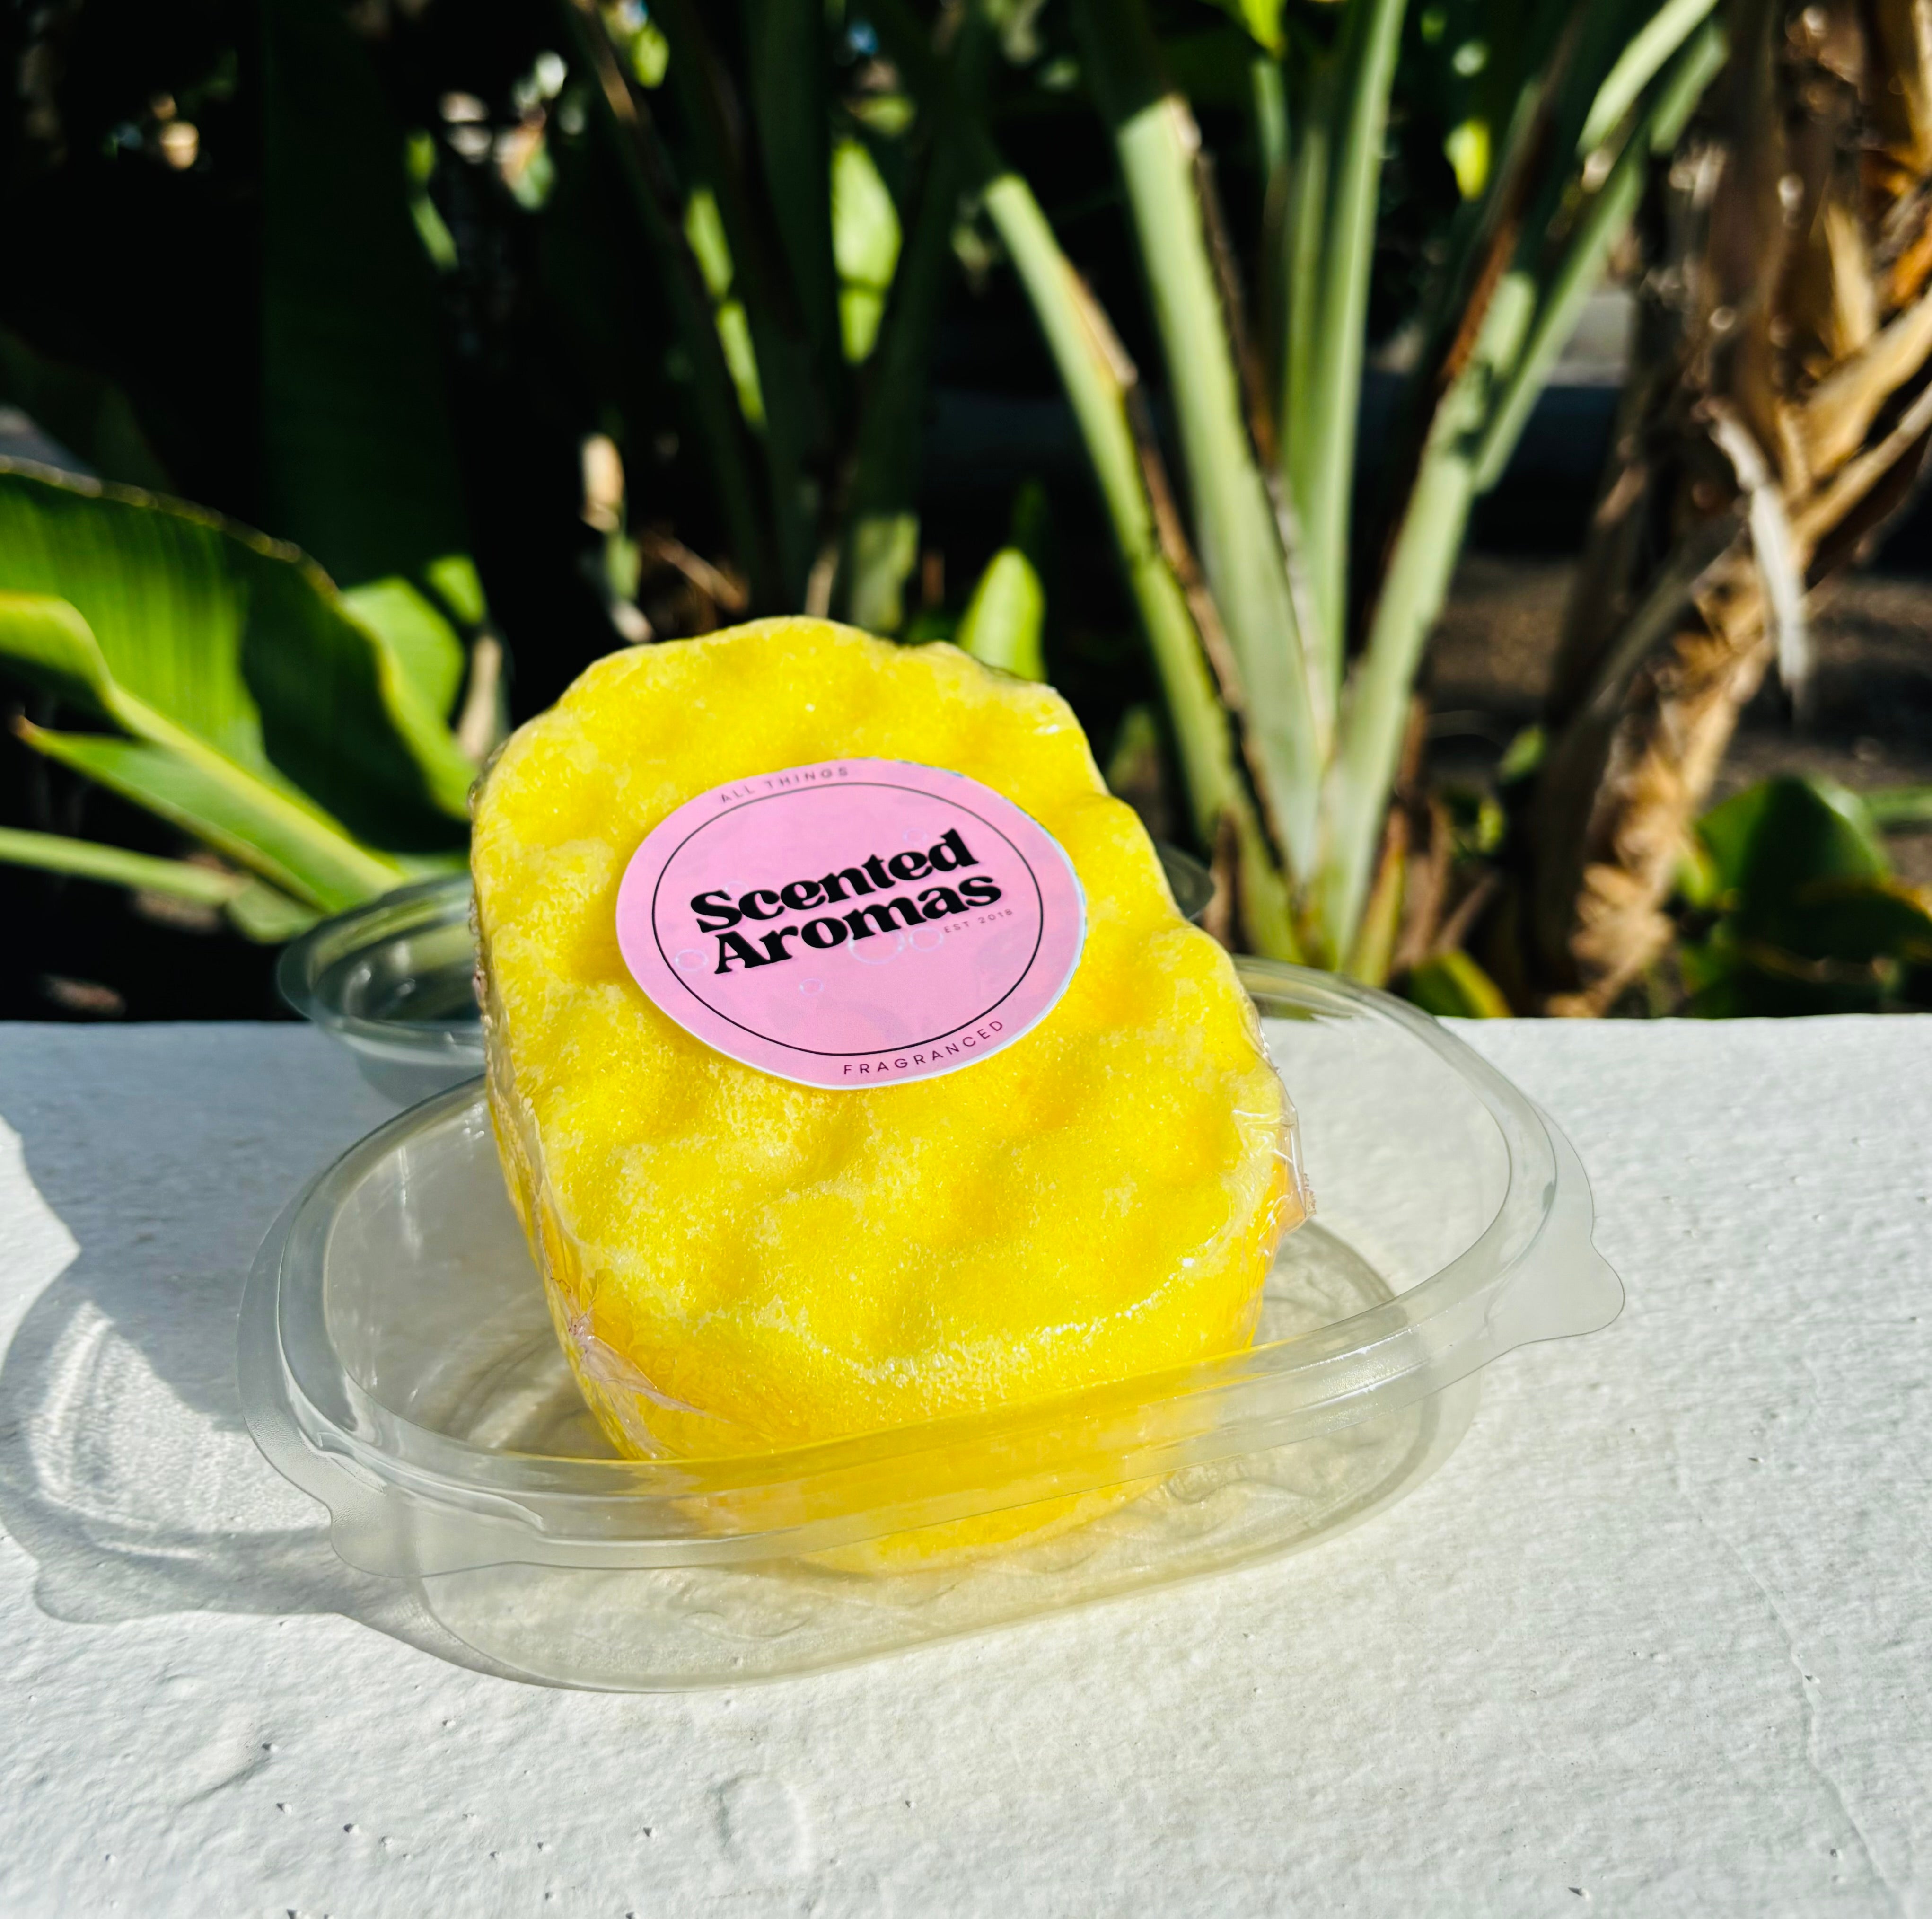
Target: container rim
(1531, 1273)
(422, 906)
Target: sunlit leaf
(421, 660)
(236, 812)
(865, 240)
(258, 912)
(1262, 18)
(1453, 986)
(1005, 619)
(1466, 148)
(704, 229)
(239, 641)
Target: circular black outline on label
(886, 786)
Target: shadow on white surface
(126, 1471)
(137, 1498)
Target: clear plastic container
(397, 1361)
(395, 981)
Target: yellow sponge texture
(736, 1263)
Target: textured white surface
(1658, 1638)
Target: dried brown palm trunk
(1779, 408)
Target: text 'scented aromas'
(852, 923)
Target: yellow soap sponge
(736, 1263)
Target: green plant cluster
(1211, 213)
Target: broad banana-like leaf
(419, 661)
(240, 643)
(258, 825)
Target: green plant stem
(1097, 385)
(1322, 478)
(883, 544)
(1899, 808)
(1299, 280)
(784, 42)
(1427, 544)
(86, 859)
(1580, 269)
(1470, 439)
(647, 179)
(1647, 51)
(1268, 101)
(1157, 146)
(257, 911)
(797, 427)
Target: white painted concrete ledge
(1658, 1639)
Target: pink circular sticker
(856, 922)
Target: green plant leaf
(85, 859)
(1643, 57)
(1899, 808)
(420, 661)
(1859, 921)
(236, 811)
(269, 918)
(236, 643)
(785, 41)
(784, 306)
(257, 911)
(644, 171)
(163, 614)
(1005, 617)
(865, 243)
(1096, 377)
(1322, 448)
(1453, 986)
(1473, 427)
(359, 463)
(426, 654)
(52, 646)
(1262, 18)
(1599, 223)
(1782, 834)
(1289, 712)
(1812, 919)
(704, 232)
(882, 546)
